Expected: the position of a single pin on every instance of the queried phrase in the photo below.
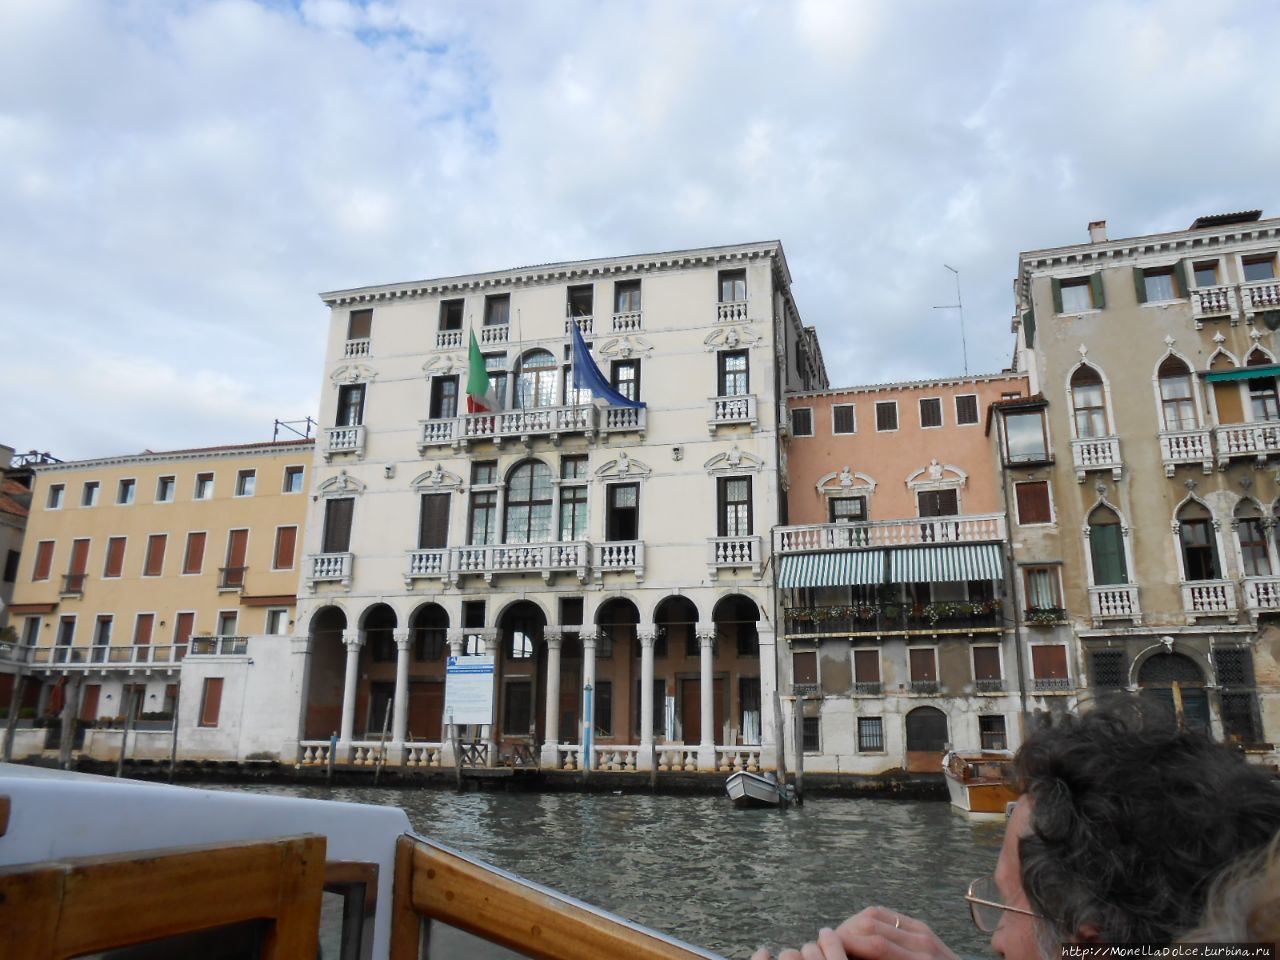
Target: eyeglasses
(986, 906)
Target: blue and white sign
(468, 690)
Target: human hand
(876, 933)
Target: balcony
(356, 348)
(618, 556)
(1118, 601)
(127, 655)
(1097, 453)
(448, 339)
(1261, 595)
(732, 311)
(989, 685)
(1186, 446)
(546, 559)
(629, 322)
(330, 568)
(1051, 685)
(1255, 440)
(805, 689)
(896, 617)
(1209, 598)
(525, 425)
(732, 411)
(218, 646)
(343, 440)
(231, 578)
(430, 564)
(925, 687)
(585, 324)
(497, 333)
(814, 537)
(1259, 296)
(868, 688)
(15, 653)
(727, 553)
(624, 420)
(72, 585)
(1213, 303)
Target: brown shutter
(237, 547)
(1049, 662)
(211, 702)
(1033, 502)
(433, 526)
(866, 666)
(986, 663)
(193, 562)
(1226, 397)
(286, 539)
(44, 560)
(89, 701)
(183, 628)
(804, 667)
(115, 557)
(155, 554)
(337, 525)
(924, 666)
(142, 628)
(359, 324)
(79, 557)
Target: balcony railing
(1260, 295)
(871, 619)
(428, 564)
(73, 584)
(1212, 303)
(125, 655)
(974, 528)
(357, 348)
(628, 322)
(728, 411)
(585, 324)
(1118, 601)
(231, 578)
(1185, 446)
(724, 553)
(924, 686)
(1096, 453)
(989, 685)
(868, 688)
(624, 420)
(328, 567)
(541, 558)
(343, 440)
(732, 311)
(1261, 595)
(218, 646)
(1209, 598)
(805, 689)
(1050, 684)
(618, 556)
(497, 333)
(525, 425)
(15, 652)
(448, 339)
(1255, 440)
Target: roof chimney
(1098, 231)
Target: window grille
(1108, 669)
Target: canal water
(728, 880)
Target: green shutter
(1095, 287)
(1106, 543)
(1180, 278)
(1057, 295)
(1029, 327)
(1140, 284)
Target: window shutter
(866, 666)
(986, 663)
(1049, 662)
(1095, 287)
(1180, 279)
(211, 703)
(184, 627)
(1106, 543)
(194, 560)
(115, 557)
(804, 667)
(44, 560)
(79, 557)
(924, 666)
(142, 629)
(1057, 295)
(1140, 284)
(1029, 325)
(433, 527)
(337, 525)
(286, 540)
(1033, 502)
(155, 554)
(237, 547)
(722, 525)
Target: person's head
(1126, 822)
(1244, 903)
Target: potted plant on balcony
(1045, 616)
(866, 611)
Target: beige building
(164, 583)
(1143, 470)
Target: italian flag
(480, 395)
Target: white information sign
(468, 690)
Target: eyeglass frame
(980, 901)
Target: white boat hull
(752, 790)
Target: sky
(180, 178)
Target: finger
(811, 951)
(790, 955)
(762, 954)
(830, 945)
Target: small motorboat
(980, 785)
(748, 789)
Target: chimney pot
(1097, 231)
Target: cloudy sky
(179, 179)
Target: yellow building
(148, 582)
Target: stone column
(554, 636)
(768, 684)
(448, 757)
(354, 640)
(645, 634)
(299, 686)
(400, 708)
(706, 740)
(588, 638)
(491, 735)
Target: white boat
(93, 865)
(747, 789)
(981, 784)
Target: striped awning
(1243, 373)
(835, 569)
(962, 561)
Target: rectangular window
(44, 560)
(1049, 662)
(11, 560)
(573, 513)
(227, 622)
(31, 631)
(733, 285)
(843, 419)
(79, 564)
(114, 566)
(451, 314)
(193, 557)
(866, 668)
(293, 477)
(350, 405)
(433, 521)
(204, 486)
(277, 622)
(183, 626)
(444, 398)
(153, 566)
(236, 558)
(580, 301)
(66, 631)
(337, 525)
(847, 509)
(246, 480)
(626, 296)
(1033, 502)
(1158, 284)
(624, 376)
(802, 421)
(870, 734)
(483, 526)
(886, 415)
(967, 409)
(622, 512)
(938, 503)
(1206, 274)
(603, 708)
(497, 310)
(210, 701)
(1077, 294)
(804, 670)
(924, 665)
(811, 734)
(56, 493)
(1043, 592)
(733, 508)
(1025, 437)
(125, 491)
(734, 375)
(1259, 268)
(359, 324)
(143, 624)
(286, 544)
(1199, 549)
(89, 495)
(102, 631)
(991, 732)
(930, 412)
(1108, 669)
(484, 473)
(164, 489)
(986, 665)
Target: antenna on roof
(292, 427)
(958, 305)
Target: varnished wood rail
(502, 908)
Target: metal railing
(218, 646)
(231, 578)
(112, 655)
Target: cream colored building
(165, 583)
(581, 544)
(1147, 459)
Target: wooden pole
(779, 739)
(15, 705)
(173, 742)
(70, 707)
(382, 752)
(124, 737)
(798, 731)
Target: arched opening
(428, 634)
(521, 671)
(377, 688)
(1175, 685)
(736, 618)
(675, 653)
(926, 739)
(1198, 542)
(617, 671)
(536, 379)
(327, 668)
(527, 518)
(1177, 403)
(1263, 401)
(1106, 547)
(1088, 402)
(1251, 535)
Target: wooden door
(89, 701)
(690, 710)
(926, 739)
(720, 706)
(426, 710)
(570, 700)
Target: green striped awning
(1243, 373)
(835, 569)
(964, 561)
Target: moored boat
(748, 789)
(980, 785)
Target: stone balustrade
(343, 440)
(729, 552)
(811, 537)
(1117, 601)
(615, 757)
(676, 757)
(732, 411)
(356, 348)
(1209, 598)
(733, 759)
(1096, 453)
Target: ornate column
(706, 739)
(354, 640)
(768, 684)
(491, 734)
(645, 634)
(588, 638)
(400, 709)
(554, 636)
(448, 757)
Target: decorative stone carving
(733, 461)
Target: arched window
(1198, 544)
(1088, 403)
(1177, 406)
(528, 514)
(536, 380)
(1252, 536)
(1262, 390)
(1106, 547)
